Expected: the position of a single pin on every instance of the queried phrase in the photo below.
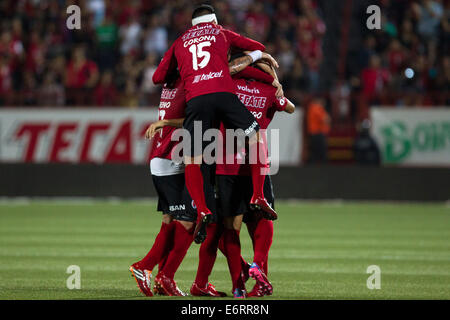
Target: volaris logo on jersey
(247, 89)
(208, 76)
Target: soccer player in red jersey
(175, 236)
(235, 189)
(201, 55)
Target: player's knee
(193, 160)
(233, 223)
(167, 218)
(186, 224)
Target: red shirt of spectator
(396, 57)
(5, 75)
(373, 78)
(79, 71)
(106, 93)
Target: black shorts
(172, 197)
(213, 108)
(235, 193)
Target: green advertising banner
(412, 136)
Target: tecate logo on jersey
(168, 94)
(208, 76)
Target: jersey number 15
(198, 53)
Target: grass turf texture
(320, 250)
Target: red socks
(207, 254)
(262, 240)
(182, 241)
(194, 184)
(258, 169)
(232, 250)
(160, 248)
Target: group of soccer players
(203, 83)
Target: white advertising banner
(412, 136)
(94, 135)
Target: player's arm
(270, 70)
(256, 74)
(241, 63)
(167, 64)
(158, 125)
(290, 107)
(236, 40)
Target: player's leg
(142, 270)
(207, 258)
(260, 170)
(261, 233)
(208, 249)
(169, 190)
(200, 117)
(164, 281)
(236, 116)
(232, 251)
(232, 199)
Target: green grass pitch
(320, 250)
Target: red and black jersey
(171, 106)
(259, 98)
(201, 55)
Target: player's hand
(279, 93)
(270, 59)
(153, 129)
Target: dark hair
(202, 9)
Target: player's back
(201, 54)
(259, 98)
(171, 106)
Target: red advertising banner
(94, 135)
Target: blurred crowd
(407, 62)
(111, 60)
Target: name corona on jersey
(208, 76)
(199, 40)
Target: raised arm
(239, 64)
(167, 64)
(256, 74)
(236, 40)
(270, 70)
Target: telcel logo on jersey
(208, 76)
